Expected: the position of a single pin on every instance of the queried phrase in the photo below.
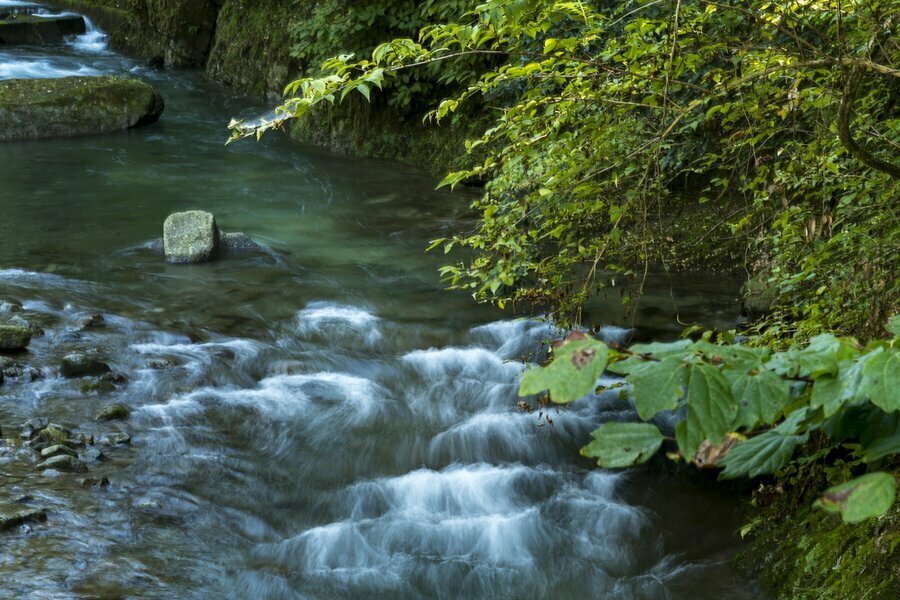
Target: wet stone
(33, 426)
(90, 322)
(95, 482)
(117, 439)
(79, 364)
(63, 463)
(160, 364)
(58, 450)
(14, 337)
(10, 521)
(8, 307)
(114, 412)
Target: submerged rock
(14, 337)
(190, 237)
(78, 364)
(41, 108)
(10, 307)
(32, 427)
(114, 412)
(36, 31)
(11, 521)
(119, 438)
(63, 462)
(238, 242)
(90, 322)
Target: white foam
(41, 69)
(326, 319)
(513, 338)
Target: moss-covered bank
(801, 553)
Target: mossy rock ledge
(71, 106)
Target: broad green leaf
(573, 373)
(618, 445)
(656, 351)
(660, 350)
(821, 357)
(862, 498)
(893, 326)
(881, 447)
(763, 454)
(881, 378)
(760, 398)
(828, 393)
(880, 434)
(710, 409)
(657, 386)
(737, 357)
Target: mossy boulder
(36, 31)
(190, 237)
(41, 108)
(14, 337)
(114, 412)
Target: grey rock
(190, 237)
(118, 438)
(90, 322)
(63, 463)
(114, 412)
(79, 364)
(58, 450)
(14, 337)
(238, 242)
(159, 364)
(95, 482)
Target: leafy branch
(746, 410)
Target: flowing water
(316, 420)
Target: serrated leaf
(737, 357)
(880, 381)
(642, 354)
(763, 454)
(760, 398)
(657, 386)
(862, 498)
(710, 409)
(573, 373)
(821, 357)
(618, 445)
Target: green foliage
(783, 110)
(618, 445)
(575, 369)
(862, 498)
(339, 27)
(749, 409)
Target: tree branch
(846, 136)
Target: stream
(320, 419)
